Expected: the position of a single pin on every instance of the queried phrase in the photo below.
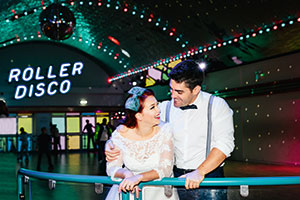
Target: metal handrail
(236, 181)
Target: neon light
(25, 77)
(42, 88)
(14, 74)
(63, 69)
(49, 88)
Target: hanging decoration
(57, 22)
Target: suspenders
(209, 124)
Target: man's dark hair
(189, 72)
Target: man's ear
(196, 89)
(138, 116)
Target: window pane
(73, 125)
(26, 123)
(74, 142)
(60, 123)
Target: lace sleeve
(113, 166)
(166, 160)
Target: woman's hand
(130, 184)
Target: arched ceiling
(143, 29)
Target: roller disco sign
(42, 88)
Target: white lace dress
(155, 153)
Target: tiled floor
(87, 164)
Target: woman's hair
(130, 119)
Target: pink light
(275, 27)
(114, 40)
(254, 34)
(125, 9)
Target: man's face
(181, 94)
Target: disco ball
(57, 22)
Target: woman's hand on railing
(193, 179)
(131, 184)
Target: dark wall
(266, 108)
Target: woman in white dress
(146, 148)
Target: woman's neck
(144, 131)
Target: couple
(145, 146)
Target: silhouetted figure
(89, 128)
(24, 144)
(103, 136)
(44, 144)
(3, 109)
(56, 137)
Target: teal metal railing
(24, 174)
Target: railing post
(20, 187)
(125, 196)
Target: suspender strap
(209, 125)
(208, 140)
(168, 107)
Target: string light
(205, 49)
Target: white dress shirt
(190, 130)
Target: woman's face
(151, 113)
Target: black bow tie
(192, 106)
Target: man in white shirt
(188, 113)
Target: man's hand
(111, 152)
(193, 179)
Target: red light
(275, 27)
(42, 2)
(151, 15)
(109, 80)
(298, 20)
(114, 40)
(14, 11)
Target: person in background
(3, 109)
(24, 144)
(103, 136)
(56, 137)
(89, 128)
(44, 145)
